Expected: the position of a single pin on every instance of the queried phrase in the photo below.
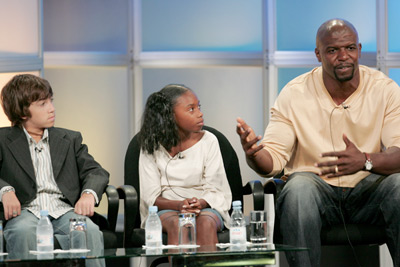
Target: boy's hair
(159, 125)
(19, 93)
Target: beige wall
(94, 101)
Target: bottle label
(44, 240)
(238, 233)
(153, 235)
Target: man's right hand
(258, 158)
(11, 205)
(248, 138)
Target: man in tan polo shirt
(336, 133)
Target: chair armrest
(255, 188)
(113, 206)
(274, 186)
(270, 187)
(131, 206)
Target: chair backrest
(231, 164)
(229, 156)
(131, 170)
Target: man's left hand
(349, 161)
(85, 205)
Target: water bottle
(44, 233)
(153, 229)
(237, 229)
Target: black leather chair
(134, 235)
(108, 225)
(332, 236)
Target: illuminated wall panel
(298, 21)
(19, 28)
(207, 25)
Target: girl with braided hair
(180, 166)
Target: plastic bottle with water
(44, 233)
(153, 229)
(237, 230)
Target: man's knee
(393, 181)
(302, 196)
(301, 187)
(390, 187)
(389, 192)
(301, 181)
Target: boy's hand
(11, 205)
(85, 205)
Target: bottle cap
(44, 212)
(153, 209)
(237, 203)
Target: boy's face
(42, 116)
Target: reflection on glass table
(263, 254)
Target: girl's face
(188, 115)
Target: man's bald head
(333, 25)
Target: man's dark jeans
(307, 202)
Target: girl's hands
(193, 205)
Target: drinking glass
(258, 227)
(187, 229)
(77, 233)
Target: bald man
(335, 131)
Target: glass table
(219, 256)
(210, 255)
(199, 256)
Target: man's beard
(345, 78)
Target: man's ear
(317, 54)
